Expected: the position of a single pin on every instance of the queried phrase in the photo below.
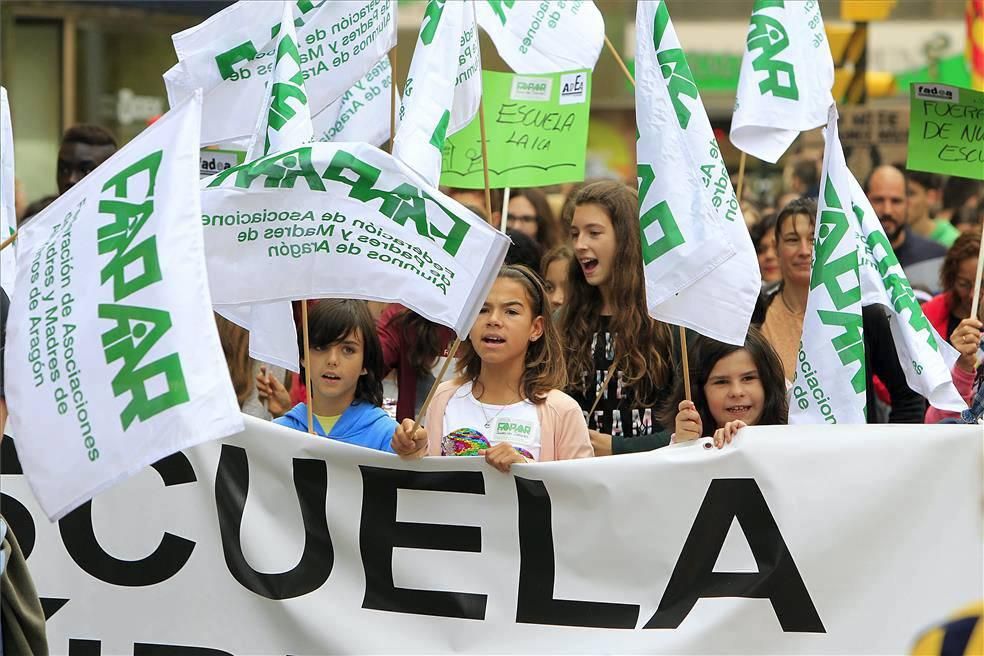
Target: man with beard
(921, 258)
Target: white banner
(346, 221)
(695, 246)
(830, 383)
(231, 54)
(790, 541)
(785, 80)
(544, 37)
(363, 113)
(8, 192)
(113, 359)
(443, 89)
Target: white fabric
(516, 423)
(443, 89)
(785, 80)
(113, 359)
(363, 113)
(696, 249)
(541, 37)
(8, 192)
(617, 526)
(339, 41)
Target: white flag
(541, 37)
(696, 249)
(8, 191)
(346, 220)
(443, 89)
(113, 356)
(231, 54)
(830, 383)
(785, 80)
(272, 331)
(363, 113)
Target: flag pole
(741, 177)
(619, 61)
(977, 283)
(437, 381)
(485, 158)
(602, 388)
(307, 365)
(505, 210)
(8, 241)
(686, 363)
(392, 59)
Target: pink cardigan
(563, 431)
(964, 382)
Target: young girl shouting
(735, 386)
(506, 403)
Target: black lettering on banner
(777, 578)
(380, 533)
(145, 649)
(318, 557)
(77, 647)
(167, 560)
(535, 603)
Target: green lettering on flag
(441, 130)
(432, 18)
(833, 227)
(769, 35)
(674, 68)
(225, 61)
(849, 344)
(659, 214)
(500, 6)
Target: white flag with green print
(785, 80)
(830, 382)
(540, 37)
(695, 246)
(8, 217)
(363, 113)
(443, 89)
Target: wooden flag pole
(505, 210)
(977, 285)
(601, 389)
(741, 177)
(618, 60)
(307, 365)
(8, 241)
(393, 108)
(437, 381)
(686, 363)
(485, 159)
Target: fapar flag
(272, 331)
(830, 383)
(785, 80)
(8, 216)
(443, 89)
(363, 113)
(541, 37)
(695, 246)
(113, 358)
(345, 220)
(231, 54)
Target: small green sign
(536, 129)
(946, 130)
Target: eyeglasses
(523, 218)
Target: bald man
(885, 188)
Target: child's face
(556, 282)
(734, 390)
(593, 239)
(335, 368)
(506, 324)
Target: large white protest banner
(363, 113)
(345, 220)
(695, 246)
(830, 383)
(541, 37)
(231, 54)
(785, 80)
(276, 542)
(443, 89)
(8, 215)
(113, 359)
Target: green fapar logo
(659, 214)
(769, 35)
(432, 18)
(500, 6)
(674, 68)
(134, 266)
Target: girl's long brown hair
(545, 369)
(642, 345)
(235, 346)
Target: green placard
(946, 130)
(537, 132)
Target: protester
(805, 179)
(22, 621)
(780, 314)
(35, 208)
(966, 375)
(412, 346)
(506, 403)
(554, 269)
(960, 193)
(923, 192)
(530, 213)
(346, 363)
(249, 377)
(83, 148)
(735, 386)
(523, 250)
(957, 276)
(763, 236)
(605, 321)
(970, 219)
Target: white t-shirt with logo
(517, 423)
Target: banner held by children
(696, 249)
(231, 54)
(346, 221)
(8, 215)
(113, 359)
(541, 37)
(946, 130)
(536, 132)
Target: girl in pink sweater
(506, 403)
